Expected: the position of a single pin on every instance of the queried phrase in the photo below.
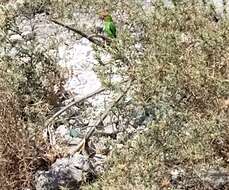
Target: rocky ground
(76, 58)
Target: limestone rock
(65, 172)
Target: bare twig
(49, 121)
(90, 38)
(100, 120)
(72, 104)
(100, 36)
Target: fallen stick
(72, 104)
(51, 136)
(89, 133)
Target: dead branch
(100, 120)
(90, 38)
(72, 104)
(100, 36)
(51, 136)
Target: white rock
(176, 173)
(19, 2)
(62, 130)
(63, 172)
(79, 59)
(16, 38)
(72, 121)
(110, 130)
(119, 146)
(28, 35)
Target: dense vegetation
(182, 74)
(180, 70)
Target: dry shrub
(21, 155)
(25, 90)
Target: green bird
(109, 27)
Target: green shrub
(181, 71)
